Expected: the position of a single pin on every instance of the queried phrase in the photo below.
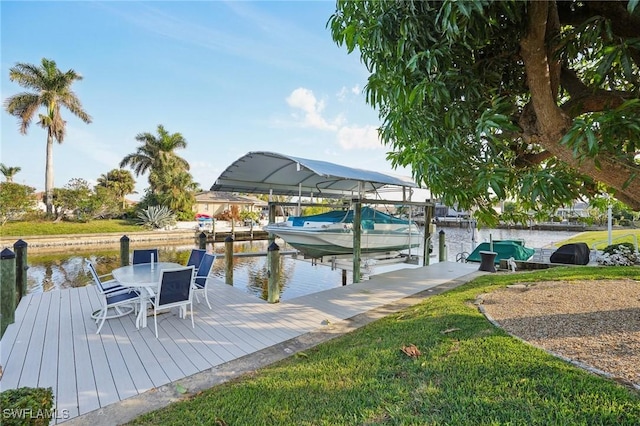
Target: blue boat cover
(369, 217)
(505, 250)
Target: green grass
(600, 237)
(477, 375)
(19, 229)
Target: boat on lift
(331, 233)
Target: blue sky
(232, 77)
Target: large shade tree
(533, 101)
(50, 89)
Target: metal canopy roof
(265, 172)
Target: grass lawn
(469, 373)
(600, 238)
(20, 229)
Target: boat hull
(318, 243)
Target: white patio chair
(175, 289)
(202, 277)
(121, 300)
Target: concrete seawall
(113, 238)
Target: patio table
(145, 278)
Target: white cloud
(354, 137)
(305, 100)
(345, 91)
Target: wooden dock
(53, 342)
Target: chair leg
(206, 297)
(155, 322)
(193, 325)
(101, 319)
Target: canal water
(50, 271)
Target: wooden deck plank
(67, 397)
(172, 348)
(85, 383)
(213, 334)
(125, 387)
(172, 327)
(169, 366)
(148, 359)
(13, 368)
(29, 376)
(133, 363)
(48, 376)
(197, 338)
(12, 330)
(105, 385)
(216, 338)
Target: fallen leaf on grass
(449, 330)
(411, 351)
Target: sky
(231, 76)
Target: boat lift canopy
(269, 172)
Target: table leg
(142, 315)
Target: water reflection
(54, 271)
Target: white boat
(331, 233)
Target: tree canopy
(536, 102)
(120, 182)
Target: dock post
(7, 289)
(442, 253)
(357, 238)
(20, 249)
(428, 215)
(202, 241)
(228, 259)
(273, 259)
(124, 251)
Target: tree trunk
(551, 123)
(48, 177)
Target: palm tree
(9, 172)
(156, 156)
(51, 89)
(120, 182)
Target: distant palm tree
(9, 172)
(51, 89)
(157, 156)
(120, 182)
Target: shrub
(622, 254)
(32, 406)
(156, 217)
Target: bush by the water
(27, 406)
